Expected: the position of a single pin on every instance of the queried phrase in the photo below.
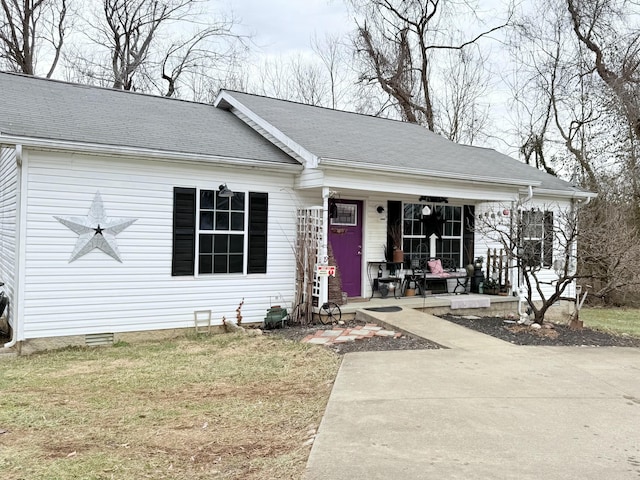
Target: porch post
(324, 246)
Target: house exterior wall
(484, 242)
(96, 293)
(8, 219)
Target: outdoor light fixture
(223, 191)
(380, 209)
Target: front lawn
(225, 406)
(614, 320)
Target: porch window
(414, 241)
(219, 235)
(536, 229)
(345, 214)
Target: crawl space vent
(98, 339)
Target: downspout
(14, 305)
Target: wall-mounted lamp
(223, 191)
(380, 209)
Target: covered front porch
(466, 304)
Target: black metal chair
(418, 267)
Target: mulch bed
(505, 329)
(559, 335)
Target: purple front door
(345, 236)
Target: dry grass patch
(625, 321)
(225, 406)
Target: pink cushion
(435, 266)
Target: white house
(112, 219)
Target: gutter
(15, 302)
(576, 194)
(464, 177)
(163, 155)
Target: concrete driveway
(494, 412)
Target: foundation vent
(98, 339)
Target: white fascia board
(546, 192)
(226, 99)
(116, 150)
(351, 166)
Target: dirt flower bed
(405, 342)
(503, 328)
(558, 335)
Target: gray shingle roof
(361, 139)
(54, 110)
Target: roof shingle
(54, 110)
(362, 139)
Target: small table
(391, 279)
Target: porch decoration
(433, 223)
(96, 230)
(307, 251)
(395, 235)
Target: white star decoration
(96, 230)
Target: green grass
(614, 320)
(225, 406)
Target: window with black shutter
(220, 225)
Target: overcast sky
(286, 26)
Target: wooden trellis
(309, 233)
(498, 267)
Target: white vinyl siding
(96, 293)
(8, 218)
(546, 275)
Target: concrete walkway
(481, 409)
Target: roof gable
(349, 139)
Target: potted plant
(395, 236)
(491, 286)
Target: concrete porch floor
(434, 304)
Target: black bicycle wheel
(330, 313)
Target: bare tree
(201, 54)
(579, 76)
(398, 42)
(333, 55)
(541, 244)
(460, 112)
(152, 45)
(609, 249)
(605, 28)
(32, 30)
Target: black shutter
(547, 250)
(468, 219)
(184, 231)
(258, 213)
(394, 218)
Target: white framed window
(213, 234)
(221, 232)
(345, 214)
(415, 242)
(536, 237)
